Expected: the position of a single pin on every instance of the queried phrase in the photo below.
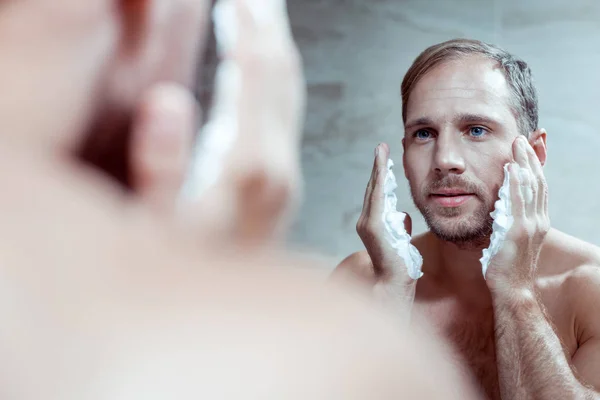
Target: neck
(459, 266)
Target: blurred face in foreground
(72, 71)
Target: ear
(404, 157)
(537, 140)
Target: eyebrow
(472, 118)
(462, 119)
(418, 122)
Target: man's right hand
(391, 276)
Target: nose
(448, 157)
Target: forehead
(470, 85)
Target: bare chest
(471, 336)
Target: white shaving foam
(218, 137)
(502, 214)
(503, 220)
(396, 235)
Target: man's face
(458, 135)
(76, 70)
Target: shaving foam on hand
(503, 220)
(218, 137)
(395, 233)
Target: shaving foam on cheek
(503, 220)
(395, 233)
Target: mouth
(451, 197)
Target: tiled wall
(356, 53)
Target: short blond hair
(517, 72)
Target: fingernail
(377, 151)
(226, 25)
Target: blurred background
(355, 55)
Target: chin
(468, 224)
(462, 228)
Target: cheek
(493, 182)
(489, 154)
(486, 164)
(491, 177)
(417, 169)
(490, 157)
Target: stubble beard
(453, 224)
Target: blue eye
(422, 134)
(477, 131)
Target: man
(104, 295)
(531, 328)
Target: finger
(377, 198)
(369, 190)
(541, 192)
(528, 190)
(248, 171)
(534, 161)
(161, 144)
(516, 195)
(520, 153)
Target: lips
(451, 197)
(450, 192)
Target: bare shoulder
(583, 282)
(357, 266)
(574, 266)
(581, 289)
(563, 254)
(356, 261)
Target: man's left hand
(514, 267)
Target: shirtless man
(531, 329)
(103, 295)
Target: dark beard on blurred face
(465, 231)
